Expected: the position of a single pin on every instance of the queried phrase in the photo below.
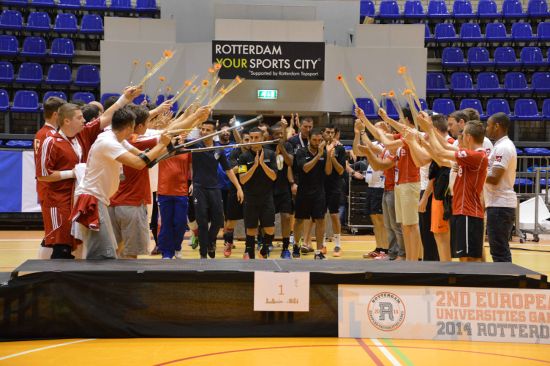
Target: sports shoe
(193, 241)
(246, 256)
(285, 254)
(264, 253)
(382, 257)
(227, 250)
(324, 250)
(370, 255)
(212, 251)
(156, 251)
(306, 250)
(179, 254)
(319, 256)
(270, 248)
(337, 252)
(295, 251)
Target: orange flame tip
(211, 70)
(359, 77)
(339, 77)
(217, 66)
(148, 64)
(135, 62)
(168, 54)
(391, 94)
(238, 79)
(402, 70)
(187, 82)
(205, 83)
(162, 78)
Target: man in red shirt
(468, 210)
(128, 208)
(60, 154)
(51, 105)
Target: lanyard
(74, 144)
(301, 141)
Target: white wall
(378, 65)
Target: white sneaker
(179, 254)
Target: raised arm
(128, 95)
(141, 161)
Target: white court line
(385, 351)
(45, 348)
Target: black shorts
(332, 200)
(259, 211)
(283, 202)
(233, 207)
(225, 192)
(373, 205)
(467, 238)
(310, 206)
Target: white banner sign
(444, 313)
(276, 291)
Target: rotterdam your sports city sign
(270, 60)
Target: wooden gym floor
(18, 246)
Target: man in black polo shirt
(234, 207)
(285, 180)
(333, 186)
(207, 196)
(313, 166)
(257, 168)
(301, 139)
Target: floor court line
(45, 348)
(371, 354)
(386, 352)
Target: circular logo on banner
(386, 311)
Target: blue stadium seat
(4, 100)
(495, 32)
(487, 9)
(541, 82)
(50, 94)
(25, 101)
(87, 75)
(461, 83)
(8, 45)
(505, 57)
(543, 31)
(471, 32)
(522, 32)
(435, 83)
(537, 9)
(462, 9)
(22, 3)
(121, 5)
(512, 9)
(479, 57)
(146, 6)
(445, 32)
(42, 3)
(100, 5)
(106, 96)
(516, 83)
(487, 83)
(29, 73)
(453, 57)
(472, 103)
(413, 10)
(65, 23)
(140, 98)
(388, 9)
(443, 106)
(423, 105)
(86, 97)
(91, 24)
(366, 8)
(6, 72)
(59, 74)
(526, 110)
(38, 21)
(428, 37)
(69, 4)
(62, 48)
(437, 9)
(34, 47)
(367, 105)
(532, 56)
(546, 108)
(11, 20)
(497, 105)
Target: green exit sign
(267, 94)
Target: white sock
(45, 252)
(337, 240)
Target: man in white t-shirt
(500, 198)
(101, 181)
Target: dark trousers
(208, 210)
(428, 240)
(173, 215)
(500, 221)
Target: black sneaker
(319, 256)
(264, 252)
(212, 252)
(295, 251)
(306, 249)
